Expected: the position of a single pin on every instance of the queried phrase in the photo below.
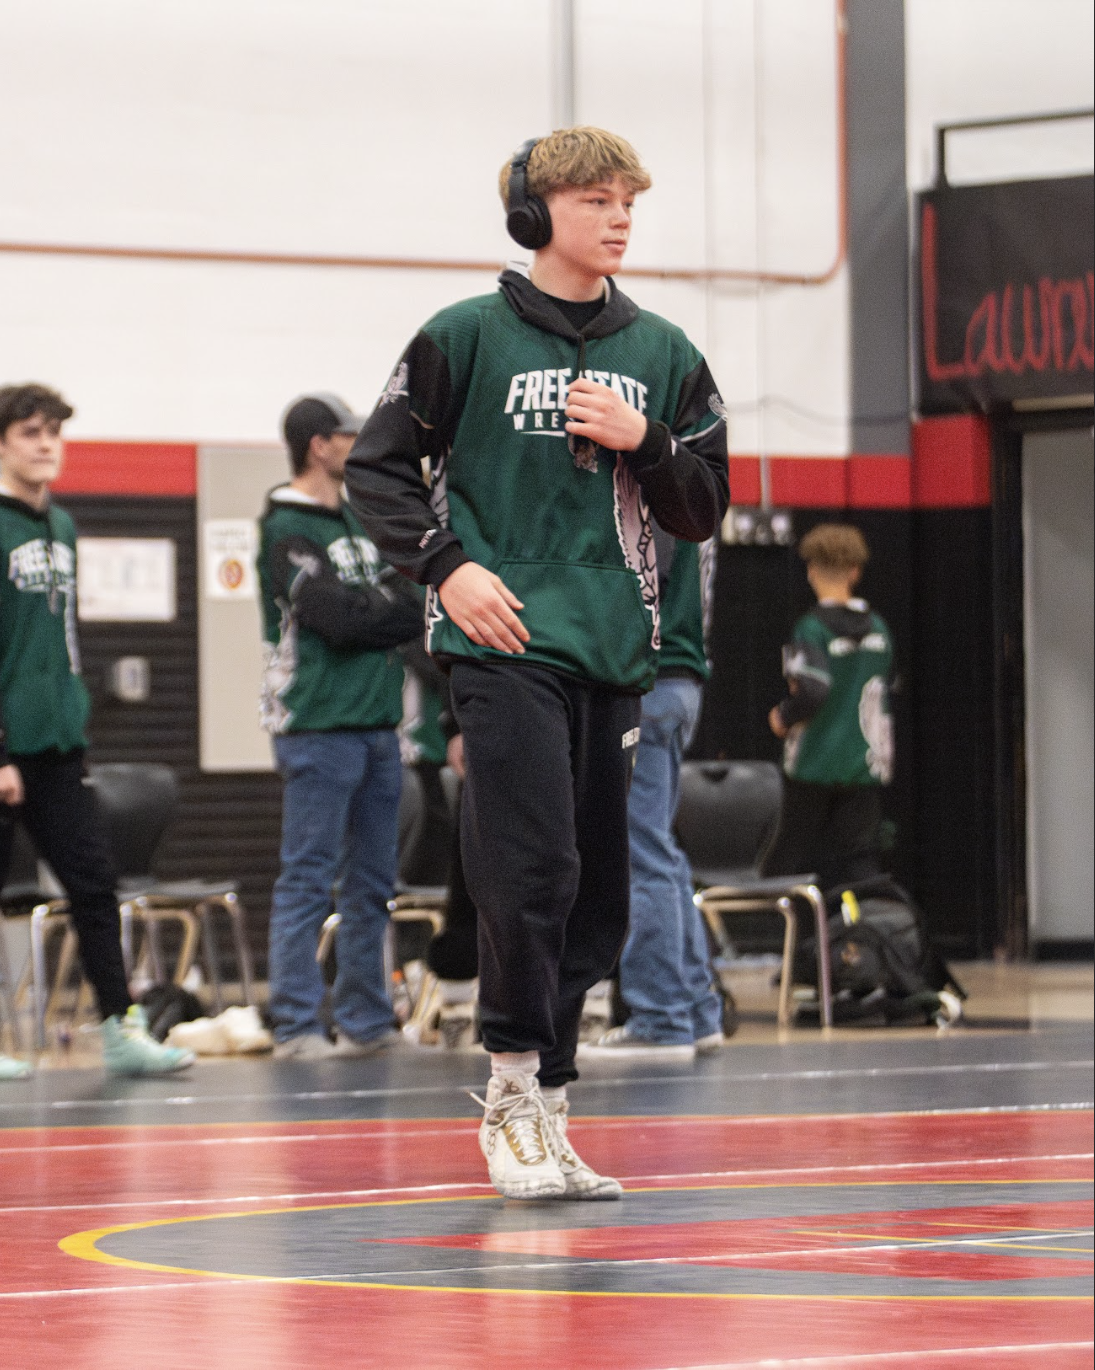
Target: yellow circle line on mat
(84, 1246)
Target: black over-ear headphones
(528, 220)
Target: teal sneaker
(11, 1069)
(129, 1049)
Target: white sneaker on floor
(309, 1046)
(713, 1042)
(582, 1182)
(518, 1139)
(619, 1043)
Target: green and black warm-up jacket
(333, 615)
(43, 701)
(480, 393)
(839, 662)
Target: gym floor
(855, 1198)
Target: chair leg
(39, 914)
(238, 921)
(66, 963)
(209, 953)
(426, 1005)
(713, 919)
(327, 936)
(790, 932)
(125, 911)
(813, 895)
(152, 916)
(7, 991)
(230, 906)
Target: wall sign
(125, 580)
(1006, 293)
(230, 547)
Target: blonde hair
(578, 157)
(834, 547)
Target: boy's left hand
(597, 412)
(776, 723)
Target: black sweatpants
(545, 847)
(827, 830)
(61, 815)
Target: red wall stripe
(744, 480)
(809, 482)
(952, 462)
(129, 468)
(879, 482)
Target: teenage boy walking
(44, 708)
(557, 417)
(332, 698)
(835, 721)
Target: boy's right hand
(479, 603)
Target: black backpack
(882, 963)
(167, 1004)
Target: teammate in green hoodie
(332, 697)
(43, 711)
(556, 416)
(835, 721)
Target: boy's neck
(838, 589)
(563, 281)
(320, 486)
(37, 496)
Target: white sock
(554, 1094)
(514, 1062)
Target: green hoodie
(43, 702)
(840, 726)
(480, 393)
(332, 615)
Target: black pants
(61, 815)
(827, 830)
(545, 847)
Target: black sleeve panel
(414, 420)
(807, 668)
(685, 475)
(665, 553)
(346, 617)
(417, 659)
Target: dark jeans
(827, 830)
(545, 844)
(61, 815)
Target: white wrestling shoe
(582, 1182)
(518, 1139)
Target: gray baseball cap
(318, 412)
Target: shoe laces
(134, 1026)
(523, 1117)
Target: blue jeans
(340, 827)
(665, 968)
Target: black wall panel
(228, 825)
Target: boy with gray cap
(332, 698)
